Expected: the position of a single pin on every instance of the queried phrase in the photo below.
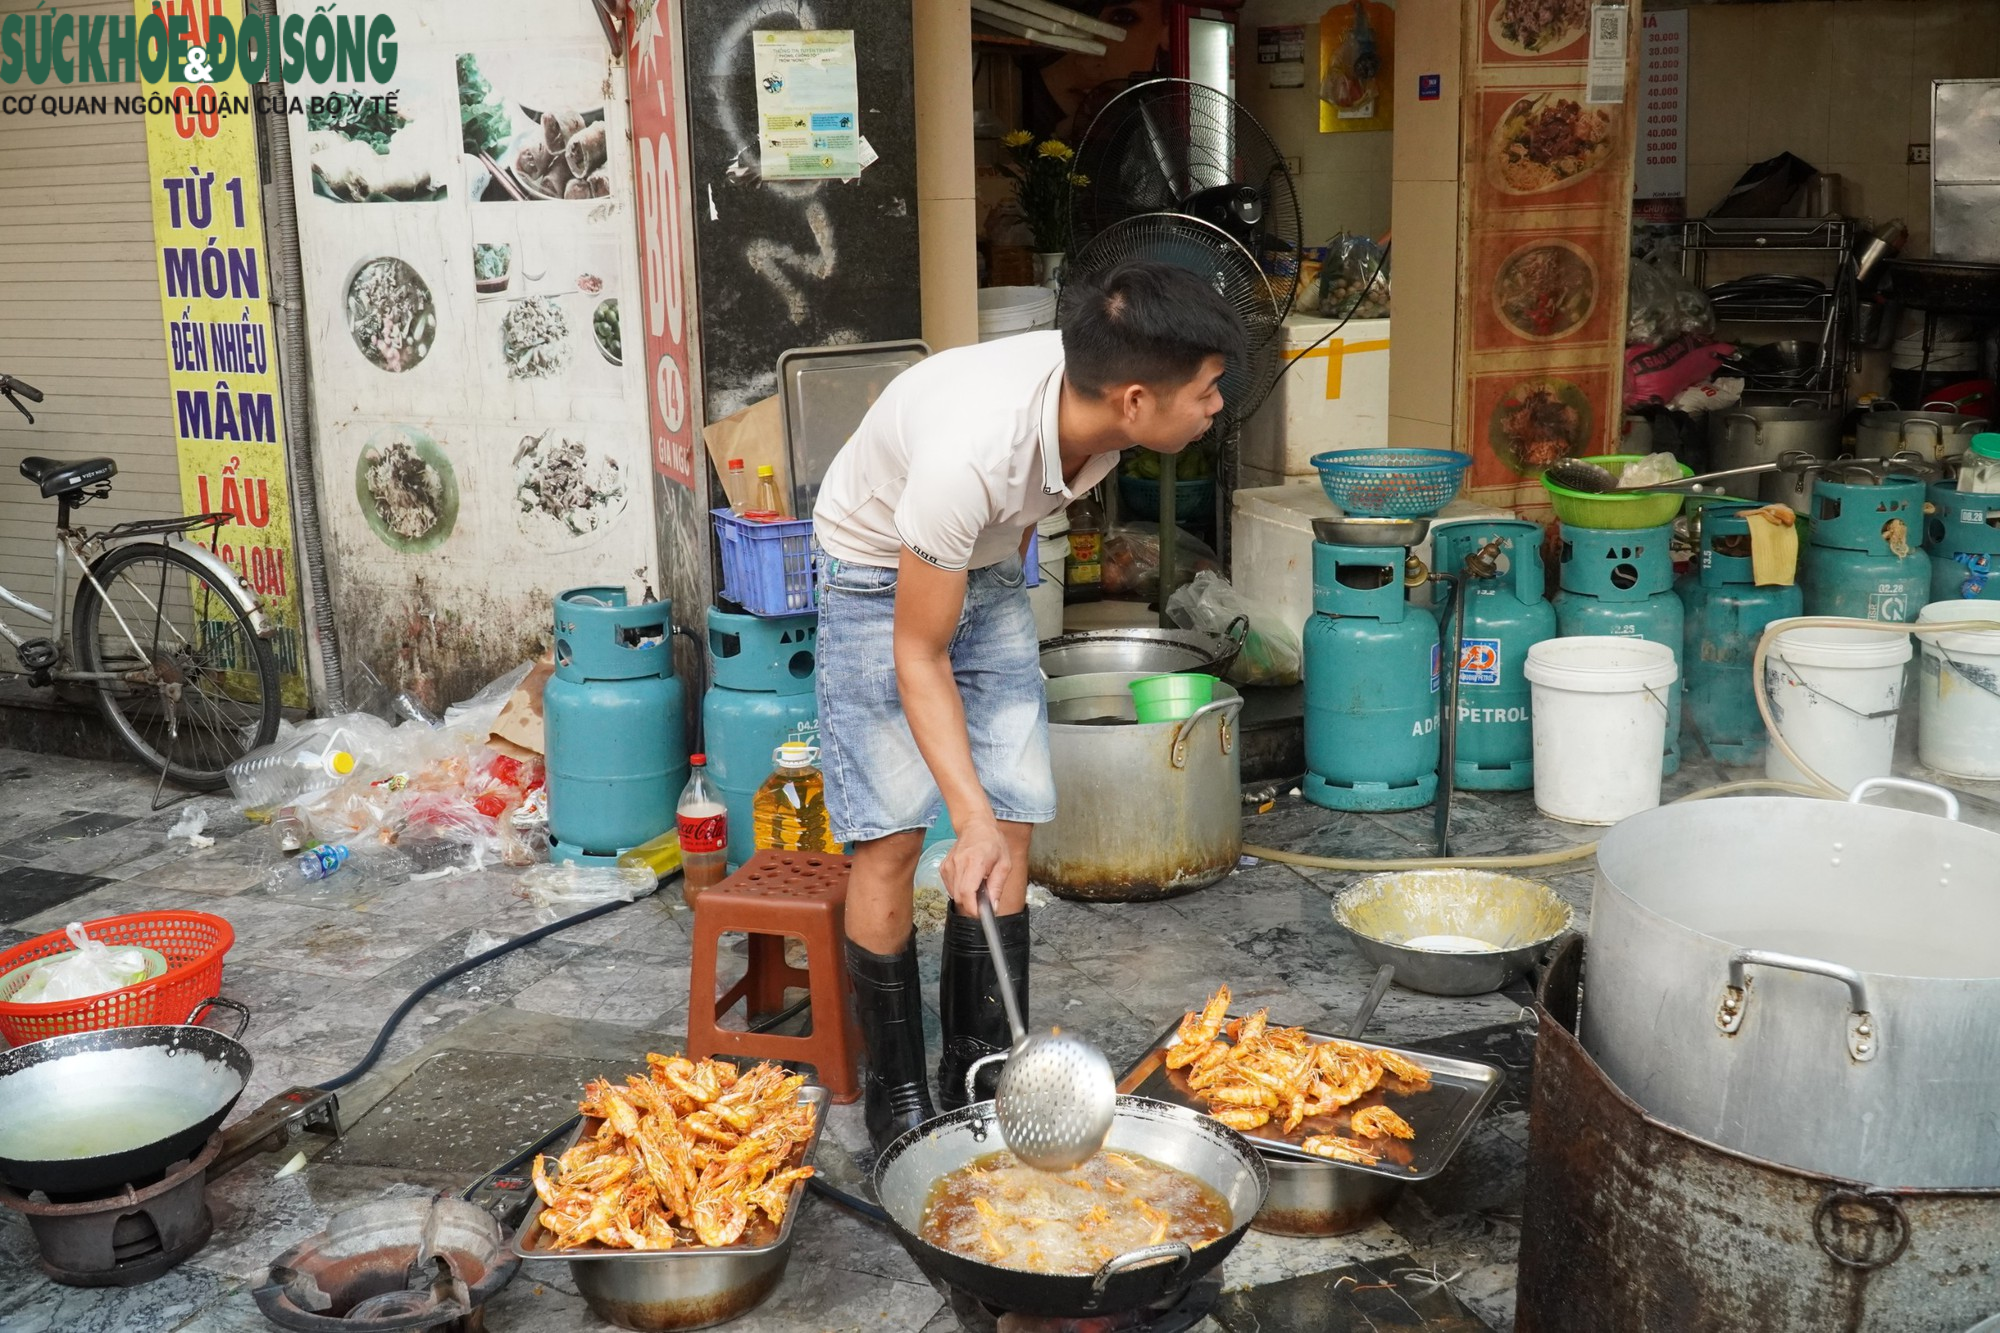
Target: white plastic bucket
(1599, 704)
(1958, 693)
(1046, 598)
(1835, 694)
(1005, 311)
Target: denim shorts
(876, 781)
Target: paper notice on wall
(1610, 32)
(1282, 52)
(1659, 162)
(808, 105)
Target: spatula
(1057, 1095)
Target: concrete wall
(1423, 384)
(1845, 85)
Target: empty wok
(95, 1110)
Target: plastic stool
(775, 894)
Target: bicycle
(172, 643)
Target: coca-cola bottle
(704, 829)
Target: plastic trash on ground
(189, 828)
(91, 969)
(1271, 653)
(563, 888)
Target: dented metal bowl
(1516, 917)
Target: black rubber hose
(458, 970)
(854, 1203)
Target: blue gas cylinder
(1505, 615)
(1371, 682)
(615, 733)
(1616, 581)
(1962, 530)
(761, 671)
(1862, 556)
(1726, 614)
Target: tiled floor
(322, 967)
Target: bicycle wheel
(196, 688)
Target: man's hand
(982, 856)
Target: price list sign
(1660, 157)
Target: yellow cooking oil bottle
(789, 812)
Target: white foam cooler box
(1271, 542)
(1336, 396)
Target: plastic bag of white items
(1652, 470)
(1663, 306)
(1354, 280)
(568, 887)
(1270, 655)
(476, 716)
(1132, 561)
(93, 968)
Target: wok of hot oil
(1068, 1222)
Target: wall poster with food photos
(470, 256)
(1546, 209)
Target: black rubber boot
(975, 1018)
(888, 1005)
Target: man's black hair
(1144, 322)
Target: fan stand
(1170, 532)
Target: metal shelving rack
(1831, 312)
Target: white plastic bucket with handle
(1958, 693)
(1835, 694)
(1599, 704)
(1006, 311)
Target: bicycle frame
(79, 543)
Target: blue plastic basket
(1391, 483)
(767, 568)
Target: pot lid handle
(1863, 1041)
(1938, 794)
(1175, 1251)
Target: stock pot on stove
(1813, 983)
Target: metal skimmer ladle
(1580, 474)
(1057, 1094)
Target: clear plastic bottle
(703, 822)
(1979, 474)
(736, 486)
(278, 775)
(789, 812)
(659, 856)
(319, 862)
(289, 828)
(768, 499)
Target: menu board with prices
(1660, 160)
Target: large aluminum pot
(1934, 436)
(1747, 435)
(1809, 982)
(1633, 1225)
(1174, 1136)
(1146, 652)
(1143, 810)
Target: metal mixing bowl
(1518, 916)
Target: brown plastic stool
(773, 895)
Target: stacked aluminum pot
(1750, 434)
(1886, 431)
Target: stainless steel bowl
(1370, 531)
(1322, 1199)
(1519, 917)
(1150, 652)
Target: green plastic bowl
(1584, 510)
(1172, 698)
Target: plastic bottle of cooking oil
(789, 812)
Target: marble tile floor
(322, 967)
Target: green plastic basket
(1172, 698)
(1584, 510)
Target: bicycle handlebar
(8, 384)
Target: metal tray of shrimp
(1442, 1114)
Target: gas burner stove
(126, 1237)
(1177, 1314)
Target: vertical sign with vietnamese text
(215, 296)
(662, 240)
(1659, 168)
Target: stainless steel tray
(1442, 1116)
(529, 1239)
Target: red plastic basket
(193, 943)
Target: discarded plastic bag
(1271, 654)
(93, 968)
(189, 827)
(1132, 561)
(572, 886)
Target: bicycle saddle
(55, 477)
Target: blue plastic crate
(767, 568)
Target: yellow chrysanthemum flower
(1078, 179)
(1016, 138)
(1056, 148)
